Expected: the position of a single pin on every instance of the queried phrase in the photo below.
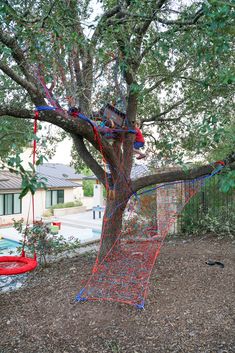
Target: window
(1, 205)
(53, 197)
(17, 203)
(60, 196)
(10, 204)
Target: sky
(63, 152)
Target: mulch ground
(190, 307)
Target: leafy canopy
(174, 58)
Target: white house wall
(39, 206)
(78, 192)
(68, 195)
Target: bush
(39, 238)
(88, 186)
(221, 222)
(67, 204)
(48, 213)
(210, 211)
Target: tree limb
(141, 30)
(177, 175)
(169, 75)
(16, 112)
(192, 21)
(17, 53)
(74, 126)
(149, 47)
(48, 14)
(168, 110)
(88, 159)
(102, 23)
(18, 79)
(59, 118)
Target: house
(63, 185)
(65, 172)
(138, 170)
(59, 190)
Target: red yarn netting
(123, 275)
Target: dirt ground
(190, 307)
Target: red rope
(35, 129)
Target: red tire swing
(15, 265)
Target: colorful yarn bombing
(123, 275)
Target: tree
(168, 54)
(14, 135)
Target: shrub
(221, 222)
(39, 238)
(48, 213)
(210, 211)
(88, 188)
(67, 204)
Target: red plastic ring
(25, 264)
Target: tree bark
(112, 221)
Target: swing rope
(15, 265)
(35, 129)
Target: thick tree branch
(59, 118)
(193, 20)
(177, 175)
(15, 112)
(18, 79)
(107, 154)
(17, 53)
(88, 159)
(81, 58)
(189, 22)
(103, 23)
(74, 126)
(142, 29)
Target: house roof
(138, 170)
(55, 176)
(90, 177)
(53, 182)
(58, 170)
(10, 181)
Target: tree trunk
(112, 221)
